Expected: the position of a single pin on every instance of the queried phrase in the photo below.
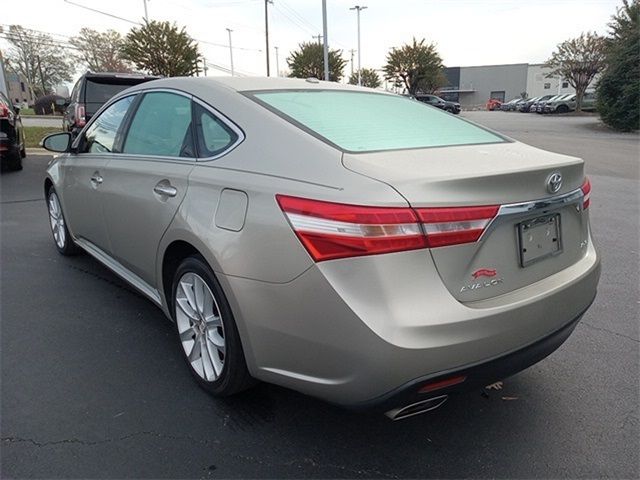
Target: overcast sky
(467, 32)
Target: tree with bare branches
(100, 51)
(37, 56)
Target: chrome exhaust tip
(416, 408)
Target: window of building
(565, 84)
(22, 86)
(547, 85)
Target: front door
(83, 175)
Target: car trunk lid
(534, 234)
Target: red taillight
(452, 226)
(586, 191)
(80, 115)
(4, 111)
(437, 385)
(333, 230)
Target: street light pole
(266, 32)
(326, 40)
(146, 14)
(230, 50)
(358, 8)
(277, 63)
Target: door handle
(96, 179)
(165, 189)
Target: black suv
(12, 146)
(436, 101)
(92, 91)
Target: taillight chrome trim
(547, 204)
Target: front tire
(562, 109)
(61, 237)
(207, 331)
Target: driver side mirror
(61, 102)
(57, 142)
(16, 110)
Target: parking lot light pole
(146, 13)
(277, 63)
(325, 48)
(358, 8)
(230, 50)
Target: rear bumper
(364, 332)
(476, 376)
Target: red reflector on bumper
(437, 385)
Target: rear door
(83, 174)
(145, 184)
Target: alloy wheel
(56, 219)
(200, 326)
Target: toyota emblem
(554, 182)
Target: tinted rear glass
(100, 92)
(365, 122)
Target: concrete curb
(37, 151)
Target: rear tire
(207, 331)
(61, 236)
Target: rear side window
(101, 134)
(161, 126)
(364, 122)
(214, 136)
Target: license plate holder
(539, 238)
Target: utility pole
(318, 38)
(277, 63)
(326, 40)
(358, 8)
(204, 66)
(146, 13)
(231, 51)
(266, 30)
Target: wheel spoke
(198, 288)
(207, 361)
(216, 339)
(185, 306)
(213, 321)
(187, 335)
(196, 351)
(187, 288)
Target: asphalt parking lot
(93, 386)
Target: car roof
(247, 84)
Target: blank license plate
(539, 238)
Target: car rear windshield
(99, 91)
(366, 122)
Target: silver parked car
(350, 244)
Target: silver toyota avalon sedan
(348, 243)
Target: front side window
(364, 122)
(101, 134)
(161, 126)
(214, 136)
